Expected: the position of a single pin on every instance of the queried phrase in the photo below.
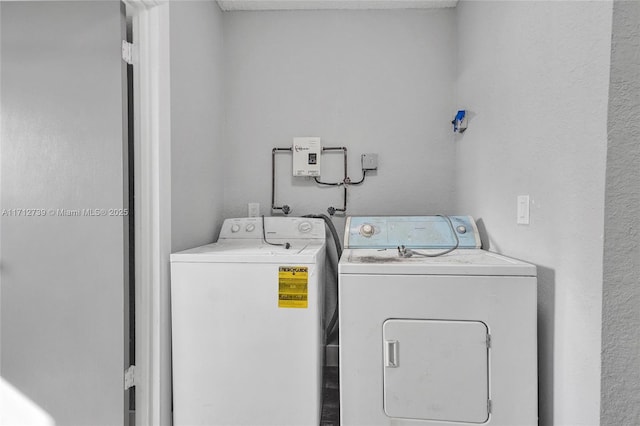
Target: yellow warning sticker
(292, 287)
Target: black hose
(334, 317)
(332, 229)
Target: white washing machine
(247, 325)
(445, 340)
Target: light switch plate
(523, 210)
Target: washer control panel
(275, 227)
(411, 231)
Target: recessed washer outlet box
(306, 156)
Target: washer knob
(235, 227)
(250, 227)
(367, 230)
(461, 229)
(305, 227)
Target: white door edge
(150, 19)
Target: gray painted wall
(197, 106)
(621, 293)
(373, 81)
(62, 300)
(535, 77)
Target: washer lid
(252, 251)
(458, 262)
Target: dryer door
(436, 370)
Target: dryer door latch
(391, 353)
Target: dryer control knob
(367, 230)
(235, 227)
(461, 229)
(305, 227)
(250, 227)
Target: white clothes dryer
(247, 326)
(445, 340)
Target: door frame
(152, 165)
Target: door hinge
(489, 406)
(127, 52)
(488, 341)
(130, 377)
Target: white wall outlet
(523, 210)
(369, 161)
(306, 156)
(253, 209)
